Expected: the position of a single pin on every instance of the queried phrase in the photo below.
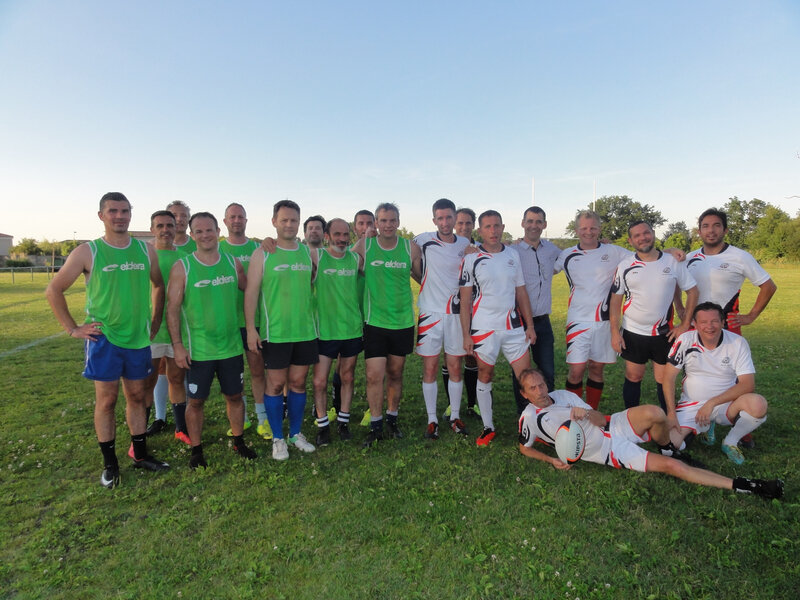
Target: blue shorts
(107, 362)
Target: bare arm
(157, 293)
(78, 262)
(594, 417)
(360, 248)
(241, 276)
(255, 273)
(314, 263)
(175, 292)
(531, 453)
(691, 301)
(677, 301)
(670, 373)
(745, 384)
(615, 317)
(416, 262)
(524, 303)
(465, 315)
(765, 292)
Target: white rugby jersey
(441, 264)
(649, 289)
(720, 276)
(710, 372)
(493, 278)
(543, 423)
(590, 274)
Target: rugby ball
(570, 442)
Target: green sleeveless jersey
(336, 295)
(189, 247)
(166, 258)
(360, 290)
(118, 292)
(243, 253)
(388, 302)
(287, 309)
(209, 322)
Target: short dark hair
(334, 220)
(468, 211)
(708, 306)
(535, 209)
(285, 204)
(235, 204)
(489, 213)
(443, 204)
(362, 212)
(113, 197)
(388, 206)
(713, 212)
(161, 213)
(639, 222)
(314, 218)
(203, 215)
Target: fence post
(31, 273)
(12, 274)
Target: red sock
(575, 388)
(594, 390)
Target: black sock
(471, 382)
(139, 446)
(147, 411)
(521, 402)
(445, 381)
(197, 449)
(391, 419)
(631, 393)
(743, 484)
(179, 414)
(377, 426)
(109, 455)
(661, 399)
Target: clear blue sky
(341, 105)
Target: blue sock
(274, 407)
(160, 395)
(297, 406)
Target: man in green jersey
(283, 278)
(387, 261)
(182, 242)
(314, 231)
(204, 325)
(118, 327)
(239, 245)
(340, 326)
(162, 226)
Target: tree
(743, 218)
(677, 235)
(50, 248)
(68, 246)
(768, 241)
(405, 233)
(617, 213)
(26, 247)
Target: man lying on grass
(615, 442)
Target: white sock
(429, 393)
(744, 425)
(160, 396)
(244, 401)
(484, 395)
(454, 389)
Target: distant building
(6, 241)
(145, 236)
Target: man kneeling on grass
(615, 441)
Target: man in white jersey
(719, 384)
(439, 327)
(647, 280)
(720, 270)
(237, 244)
(614, 441)
(589, 267)
(538, 259)
(492, 283)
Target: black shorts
(229, 372)
(641, 348)
(279, 355)
(381, 342)
(243, 333)
(343, 348)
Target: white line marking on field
(29, 345)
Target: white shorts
(590, 341)
(626, 453)
(439, 330)
(488, 343)
(162, 350)
(686, 411)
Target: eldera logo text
(126, 266)
(218, 280)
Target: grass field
(410, 519)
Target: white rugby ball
(570, 442)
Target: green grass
(411, 519)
